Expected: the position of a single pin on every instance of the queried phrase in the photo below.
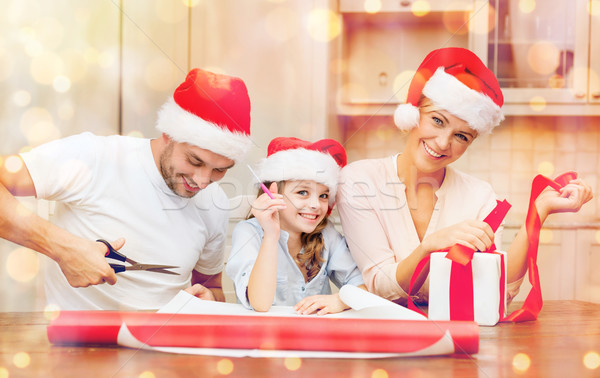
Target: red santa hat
(211, 111)
(457, 81)
(297, 159)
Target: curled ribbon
(533, 303)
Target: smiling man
(155, 200)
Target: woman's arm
(569, 199)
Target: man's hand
(85, 265)
(201, 292)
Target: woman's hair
(312, 242)
(425, 105)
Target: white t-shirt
(110, 187)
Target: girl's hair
(312, 242)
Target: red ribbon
(461, 257)
(533, 303)
(461, 273)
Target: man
(154, 200)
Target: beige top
(379, 228)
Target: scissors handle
(117, 268)
(112, 253)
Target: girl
(287, 253)
(396, 210)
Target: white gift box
(487, 283)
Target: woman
(397, 210)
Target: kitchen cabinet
(380, 48)
(594, 72)
(540, 52)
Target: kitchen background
(314, 69)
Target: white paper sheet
(363, 305)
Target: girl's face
(440, 139)
(307, 204)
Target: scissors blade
(153, 268)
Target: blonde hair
(312, 242)
(425, 105)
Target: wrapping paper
(374, 331)
(488, 281)
(261, 332)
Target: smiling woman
(397, 210)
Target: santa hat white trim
(406, 116)
(450, 94)
(476, 108)
(185, 127)
(301, 164)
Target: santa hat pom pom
(406, 117)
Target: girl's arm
(569, 199)
(263, 278)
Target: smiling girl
(288, 251)
(398, 209)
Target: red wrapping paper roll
(262, 332)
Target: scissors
(114, 254)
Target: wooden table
(554, 346)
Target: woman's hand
(321, 304)
(473, 234)
(266, 211)
(570, 199)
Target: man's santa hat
(297, 159)
(457, 81)
(211, 111)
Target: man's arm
(208, 287)
(81, 261)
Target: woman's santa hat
(457, 81)
(297, 159)
(211, 111)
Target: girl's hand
(321, 304)
(570, 199)
(473, 234)
(266, 211)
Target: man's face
(188, 169)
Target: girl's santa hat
(211, 111)
(297, 159)
(457, 81)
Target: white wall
(124, 59)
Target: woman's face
(440, 139)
